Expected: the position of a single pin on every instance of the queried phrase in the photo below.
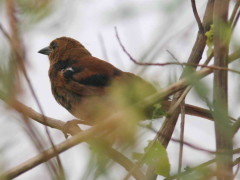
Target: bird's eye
(53, 45)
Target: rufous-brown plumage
(90, 88)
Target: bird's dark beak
(45, 51)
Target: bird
(92, 89)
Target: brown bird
(92, 89)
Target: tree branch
(223, 129)
(233, 15)
(19, 57)
(200, 26)
(78, 137)
(201, 166)
(169, 123)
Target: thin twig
(190, 170)
(14, 41)
(60, 125)
(141, 161)
(203, 165)
(57, 124)
(20, 54)
(173, 56)
(78, 137)
(194, 8)
(179, 101)
(237, 170)
(190, 145)
(236, 126)
(103, 47)
(4, 32)
(181, 138)
(195, 56)
(233, 15)
(53, 123)
(235, 20)
(209, 58)
(171, 63)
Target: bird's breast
(62, 97)
(59, 92)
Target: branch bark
(19, 58)
(78, 137)
(195, 57)
(223, 128)
(166, 131)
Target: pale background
(140, 23)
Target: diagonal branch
(200, 25)
(233, 15)
(74, 131)
(169, 123)
(195, 56)
(172, 63)
(80, 137)
(202, 166)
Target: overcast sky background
(140, 23)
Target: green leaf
(155, 154)
(200, 173)
(209, 34)
(202, 89)
(99, 160)
(200, 86)
(158, 111)
(33, 11)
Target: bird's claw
(70, 124)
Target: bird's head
(62, 47)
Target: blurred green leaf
(1, 1)
(9, 79)
(155, 155)
(200, 87)
(33, 11)
(209, 34)
(158, 111)
(99, 160)
(200, 174)
(220, 114)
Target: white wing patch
(69, 69)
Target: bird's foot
(70, 125)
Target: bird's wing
(88, 76)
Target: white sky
(172, 26)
